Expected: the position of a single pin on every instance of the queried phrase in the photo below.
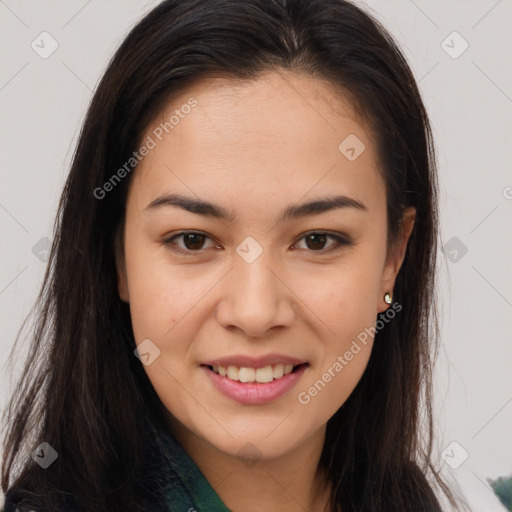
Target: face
(269, 257)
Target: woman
(239, 309)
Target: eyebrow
(294, 211)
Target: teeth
(265, 374)
(278, 371)
(232, 372)
(244, 374)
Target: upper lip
(254, 362)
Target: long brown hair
(83, 391)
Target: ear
(395, 257)
(122, 282)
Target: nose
(256, 298)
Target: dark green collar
(186, 488)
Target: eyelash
(340, 242)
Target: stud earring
(387, 298)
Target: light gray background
(469, 98)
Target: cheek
(330, 386)
(152, 305)
(161, 294)
(346, 304)
(343, 300)
(344, 354)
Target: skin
(254, 148)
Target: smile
(244, 374)
(253, 386)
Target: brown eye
(191, 242)
(315, 242)
(194, 242)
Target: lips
(250, 369)
(255, 380)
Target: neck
(289, 483)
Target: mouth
(254, 386)
(262, 375)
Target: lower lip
(254, 393)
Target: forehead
(280, 131)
